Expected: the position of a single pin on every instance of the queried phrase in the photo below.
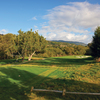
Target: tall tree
(95, 45)
(11, 46)
(30, 42)
(7, 45)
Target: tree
(95, 45)
(7, 45)
(30, 42)
(69, 50)
(11, 46)
(80, 50)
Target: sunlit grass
(55, 73)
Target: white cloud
(34, 18)
(67, 36)
(3, 31)
(73, 21)
(35, 26)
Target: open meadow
(73, 73)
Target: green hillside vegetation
(29, 43)
(60, 44)
(71, 42)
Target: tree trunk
(22, 59)
(31, 56)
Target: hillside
(71, 42)
(62, 44)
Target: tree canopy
(30, 42)
(7, 45)
(23, 44)
(95, 45)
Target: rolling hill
(71, 42)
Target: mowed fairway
(74, 73)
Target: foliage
(7, 45)
(29, 43)
(95, 45)
(80, 50)
(52, 52)
(24, 44)
(69, 50)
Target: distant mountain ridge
(72, 42)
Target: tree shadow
(12, 61)
(15, 87)
(62, 62)
(7, 61)
(11, 91)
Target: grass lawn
(74, 73)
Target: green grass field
(74, 73)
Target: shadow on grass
(7, 61)
(12, 61)
(64, 62)
(10, 89)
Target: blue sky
(69, 20)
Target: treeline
(62, 49)
(30, 43)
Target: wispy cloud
(3, 31)
(35, 26)
(34, 18)
(73, 22)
